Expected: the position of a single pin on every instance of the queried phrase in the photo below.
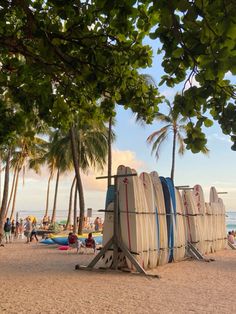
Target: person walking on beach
(7, 230)
(28, 229)
(33, 234)
(13, 229)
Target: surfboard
(152, 229)
(223, 231)
(169, 217)
(193, 232)
(142, 218)
(129, 219)
(200, 206)
(180, 228)
(214, 206)
(161, 223)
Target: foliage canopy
(61, 57)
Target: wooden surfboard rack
(115, 243)
(232, 246)
(194, 253)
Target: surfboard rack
(232, 246)
(194, 253)
(116, 243)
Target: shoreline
(41, 279)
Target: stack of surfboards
(156, 221)
(218, 214)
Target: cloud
(127, 158)
(216, 136)
(90, 183)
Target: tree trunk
(109, 163)
(48, 192)
(53, 219)
(15, 192)
(5, 195)
(68, 223)
(75, 154)
(12, 189)
(75, 224)
(173, 156)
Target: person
(33, 234)
(96, 224)
(21, 228)
(230, 237)
(17, 229)
(90, 242)
(28, 229)
(13, 229)
(73, 241)
(7, 230)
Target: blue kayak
(47, 241)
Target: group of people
(74, 241)
(232, 236)
(19, 229)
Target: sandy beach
(41, 279)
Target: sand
(35, 278)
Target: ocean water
(61, 215)
(231, 221)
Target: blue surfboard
(169, 217)
(171, 188)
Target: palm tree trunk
(173, 156)
(12, 189)
(5, 195)
(109, 163)
(48, 192)
(68, 223)
(75, 154)
(53, 219)
(75, 210)
(15, 192)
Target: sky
(217, 169)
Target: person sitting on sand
(90, 242)
(230, 237)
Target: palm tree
(25, 149)
(89, 144)
(59, 158)
(175, 125)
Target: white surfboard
(160, 219)
(192, 221)
(200, 206)
(180, 237)
(152, 229)
(129, 219)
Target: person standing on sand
(21, 229)
(96, 224)
(28, 229)
(7, 230)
